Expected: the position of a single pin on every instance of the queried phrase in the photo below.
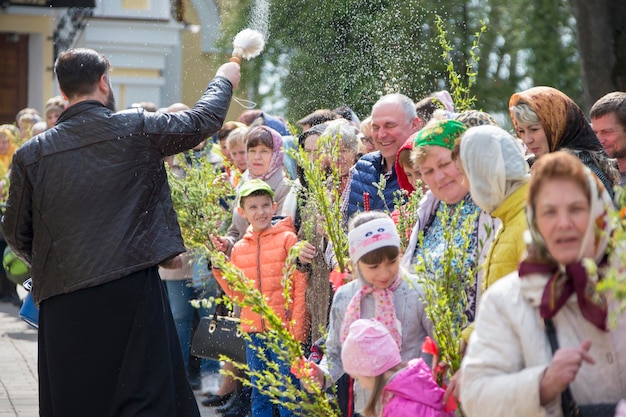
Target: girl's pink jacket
(412, 392)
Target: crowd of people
(539, 199)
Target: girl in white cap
(383, 291)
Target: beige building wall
(137, 69)
(199, 67)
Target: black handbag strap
(222, 311)
(214, 318)
(568, 404)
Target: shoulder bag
(568, 404)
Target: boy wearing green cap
(261, 255)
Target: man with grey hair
(393, 121)
(608, 120)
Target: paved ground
(18, 367)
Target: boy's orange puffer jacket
(263, 255)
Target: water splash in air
(259, 17)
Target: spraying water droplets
(260, 17)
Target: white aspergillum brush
(247, 44)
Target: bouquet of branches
(406, 208)
(322, 197)
(202, 197)
(614, 280)
(445, 290)
(280, 340)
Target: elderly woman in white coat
(511, 368)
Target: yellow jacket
(508, 246)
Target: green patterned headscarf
(439, 133)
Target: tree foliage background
(322, 54)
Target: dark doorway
(13, 75)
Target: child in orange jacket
(261, 255)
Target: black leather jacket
(89, 201)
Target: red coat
(263, 254)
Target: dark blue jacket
(365, 173)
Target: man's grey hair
(396, 98)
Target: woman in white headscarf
(498, 184)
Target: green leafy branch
(461, 94)
(380, 191)
(200, 198)
(288, 271)
(322, 197)
(407, 206)
(271, 382)
(614, 280)
(445, 286)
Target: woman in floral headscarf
(432, 155)
(511, 366)
(548, 120)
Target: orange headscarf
(561, 118)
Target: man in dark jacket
(90, 210)
(393, 121)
